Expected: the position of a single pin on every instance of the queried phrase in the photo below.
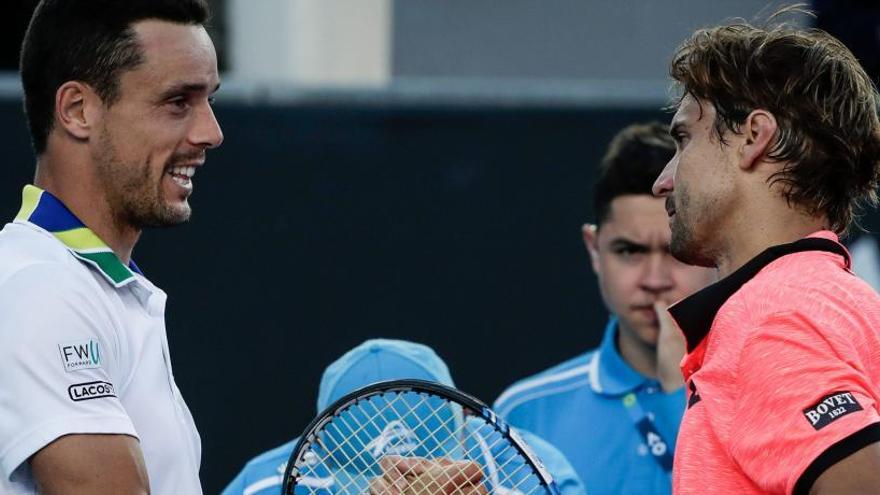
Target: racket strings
(513, 473)
(376, 412)
(349, 448)
(351, 439)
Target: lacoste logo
(90, 390)
(396, 438)
(80, 355)
(831, 408)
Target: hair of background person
(635, 157)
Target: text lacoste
(80, 355)
(90, 390)
(831, 408)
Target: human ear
(74, 109)
(590, 234)
(759, 130)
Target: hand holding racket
(413, 437)
(410, 475)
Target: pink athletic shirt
(782, 370)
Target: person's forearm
(91, 465)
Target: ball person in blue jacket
(614, 411)
(372, 361)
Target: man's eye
(179, 103)
(627, 252)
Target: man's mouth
(646, 311)
(182, 175)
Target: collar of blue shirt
(611, 375)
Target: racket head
(340, 450)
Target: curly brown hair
(825, 105)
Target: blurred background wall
(412, 169)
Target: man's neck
(762, 221)
(81, 195)
(745, 247)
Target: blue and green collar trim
(44, 210)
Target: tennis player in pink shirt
(778, 144)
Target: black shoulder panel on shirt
(837, 452)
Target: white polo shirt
(83, 349)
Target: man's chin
(167, 217)
(649, 335)
(179, 217)
(646, 331)
(684, 249)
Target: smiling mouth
(182, 175)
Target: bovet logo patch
(90, 390)
(831, 408)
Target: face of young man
(151, 140)
(697, 184)
(631, 258)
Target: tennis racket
(348, 448)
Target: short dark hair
(90, 41)
(634, 160)
(824, 103)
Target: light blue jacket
(580, 406)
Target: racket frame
(471, 404)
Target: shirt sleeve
(803, 401)
(60, 359)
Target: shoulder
(22, 244)
(263, 472)
(31, 259)
(275, 457)
(563, 378)
(44, 293)
(47, 292)
(811, 287)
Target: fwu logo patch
(81, 355)
(90, 390)
(830, 408)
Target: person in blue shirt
(380, 360)
(614, 411)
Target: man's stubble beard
(685, 245)
(133, 191)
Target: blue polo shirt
(263, 474)
(593, 409)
